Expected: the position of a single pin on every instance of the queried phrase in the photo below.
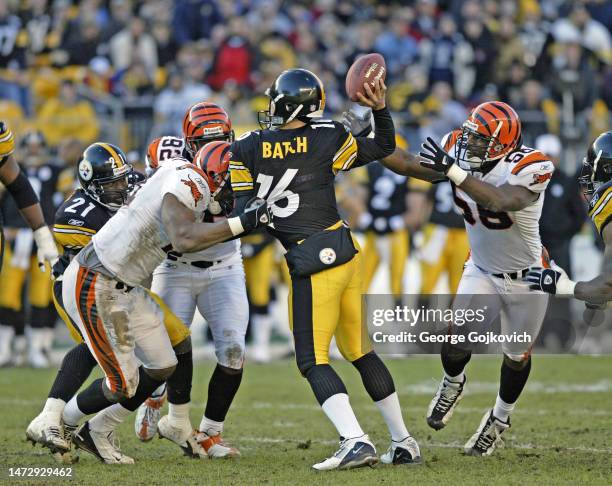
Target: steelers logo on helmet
(85, 170)
(103, 173)
(327, 256)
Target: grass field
(561, 434)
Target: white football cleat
(103, 445)
(215, 447)
(487, 437)
(48, 432)
(353, 453)
(147, 417)
(443, 403)
(182, 435)
(405, 451)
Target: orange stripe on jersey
(535, 157)
(152, 152)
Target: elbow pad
(22, 191)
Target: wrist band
(565, 287)
(235, 226)
(456, 174)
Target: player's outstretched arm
(17, 184)
(187, 235)
(404, 163)
(555, 281)
(506, 197)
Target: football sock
(90, 400)
(72, 414)
(74, 370)
(512, 379)
(324, 382)
(338, 410)
(109, 419)
(55, 407)
(146, 386)
(178, 413)
(454, 361)
(210, 427)
(179, 384)
(502, 410)
(392, 413)
(375, 376)
(261, 329)
(222, 388)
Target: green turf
(561, 430)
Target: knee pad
(517, 362)
(160, 374)
(230, 354)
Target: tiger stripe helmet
(492, 131)
(214, 160)
(205, 122)
(161, 149)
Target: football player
(20, 273)
(211, 280)
(104, 189)
(498, 183)
(596, 181)
(120, 322)
(292, 163)
(18, 186)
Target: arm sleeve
(189, 186)
(383, 143)
(533, 176)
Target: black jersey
(444, 211)
(294, 171)
(387, 192)
(77, 220)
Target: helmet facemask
(476, 150)
(222, 198)
(111, 192)
(193, 144)
(593, 175)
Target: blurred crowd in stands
(129, 69)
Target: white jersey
(506, 242)
(133, 242)
(165, 149)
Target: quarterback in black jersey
(292, 163)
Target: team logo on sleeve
(327, 256)
(195, 190)
(540, 178)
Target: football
(365, 69)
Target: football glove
(47, 249)
(256, 213)
(7, 140)
(359, 124)
(437, 159)
(552, 280)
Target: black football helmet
(296, 94)
(103, 173)
(597, 165)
